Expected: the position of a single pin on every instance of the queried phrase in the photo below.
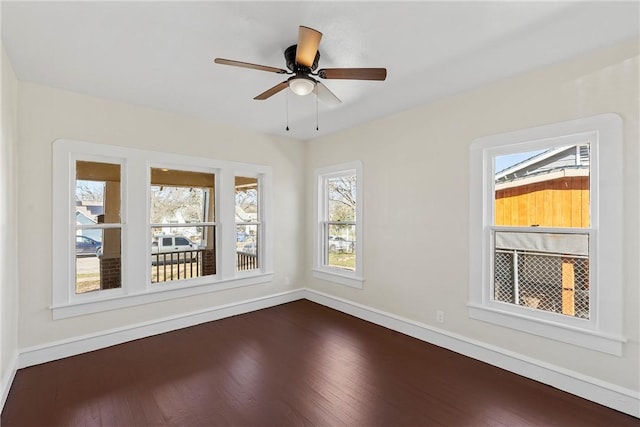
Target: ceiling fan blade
(248, 65)
(308, 42)
(270, 92)
(325, 95)
(353, 73)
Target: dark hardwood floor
(298, 364)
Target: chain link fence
(551, 282)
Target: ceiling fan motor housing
(290, 58)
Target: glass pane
(247, 247)
(246, 199)
(247, 193)
(341, 246)
(98, 259)
(548, 188)
(544, 271)
(97, 193)
(182, 252)
(181, 197)
(341, 194)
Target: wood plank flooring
(298, 364)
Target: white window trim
(603, 330)
(136, 283)
(320, 270)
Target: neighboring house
(243, 216)
(87, 214)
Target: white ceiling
(160, 54)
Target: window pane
(98, 257)
(548, 188)
(97, 193)
(340, 246)
(246, 199)
(187, 253)
(247, 227)
(544, 271)
(341, 194)
(179, 197)
(247, 247)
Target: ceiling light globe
(302, 86)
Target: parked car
(87, 246)
(173, 243)
(339, 244)
(249, 248)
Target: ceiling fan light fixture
(302, 85)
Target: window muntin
(98, 229)
(339, 217)
(248, 223)
(182, 208)
(535, 191)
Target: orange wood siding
(562, 202)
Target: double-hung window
(183, 228)
(545, 231)
(248, 223)
(98, 225)
(338, 237)
(133, 227)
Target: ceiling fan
(302, 62)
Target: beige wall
(46, 114)
(8, 221)
(416, 200)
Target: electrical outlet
(439, 316)
(287, 281)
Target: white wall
(46, 114)
(416, 201)
(8, 225)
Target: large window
(339, 224)
(176, 236)
(541, 244)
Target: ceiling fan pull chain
(287, 108)
(317, 115)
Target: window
(338, 246)
(175, 238)
(248, 223)
(545, 231)
(183, 232)
(98, 226)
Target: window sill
(80, 308)
(336, 276)
(594, 340)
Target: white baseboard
(77, 345)
(601, 392)
(7, 379)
